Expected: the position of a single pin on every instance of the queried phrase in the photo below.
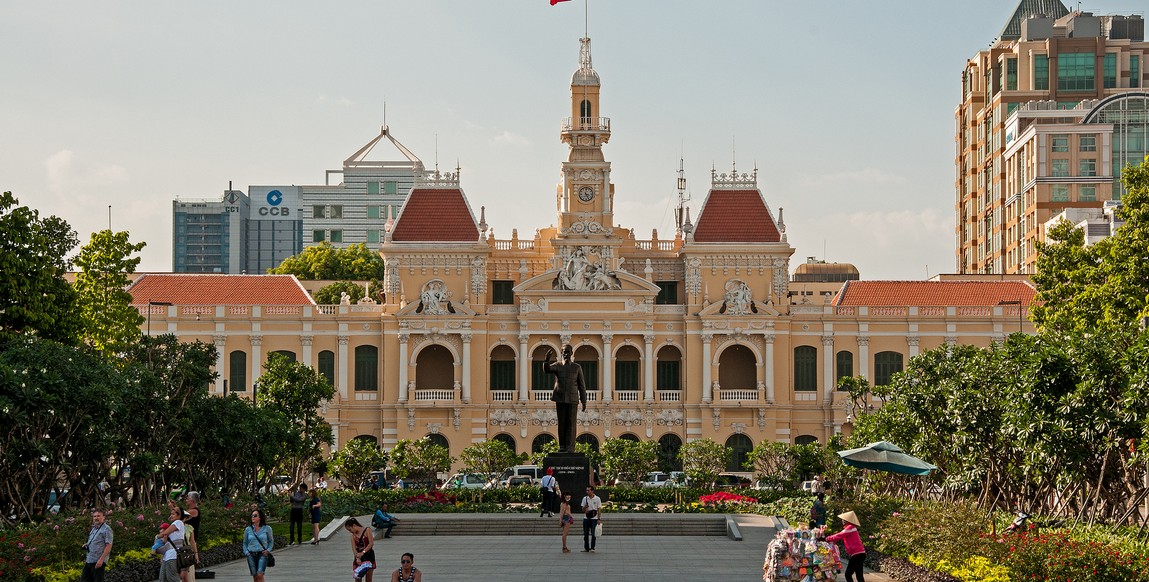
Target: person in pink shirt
(853, 542)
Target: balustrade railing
(429, 394)
(627, 395)
(502, 395)
(669, 395)
(737, 395)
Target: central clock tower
(586, 195)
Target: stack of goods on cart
(801, 555)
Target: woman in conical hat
(853, 542)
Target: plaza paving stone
(533, 558)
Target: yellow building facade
(700, 335)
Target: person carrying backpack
(384, 520)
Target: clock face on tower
(586, 193)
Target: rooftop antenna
(436, 153)
(384, 114)
(683, 198)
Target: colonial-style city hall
(702, 335)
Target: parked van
(533, 472)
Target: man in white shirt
(592, 516)
(550, 488)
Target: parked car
(730, 481)
(466, 481)
(533, 472)
(278, 484)
(413, 484)
(54, 500)
(765, 485)
(376, 480)
(518, 481)
(656, 479)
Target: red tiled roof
(197, 289)
(934, 293)
(435, 215)
(735, 216)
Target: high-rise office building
(254, 231)
(1050, 114)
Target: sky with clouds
(845, 107)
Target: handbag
(270, 556)
(185, 556)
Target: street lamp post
(1018, 303)
(150, 305)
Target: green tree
(110, 323)
(324, 262)
(355, 461)
(419, 460)
(34, 296)
(628, 461)
(296, 391)
(60, 404)
(488, 457)
(703, 459)
(771, 462)
(332, 294)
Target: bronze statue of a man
(570, 389)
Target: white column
(403, 367)
(707, 392)
(256, 361)
(307, 340)
(341, 380)
(524, 368)
(828, 367)
(220, 352)
(769, 338)
(648, 367)
(864, 357)
(466, 368)
(607, 365)
(913, 340)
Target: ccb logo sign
(274, 199)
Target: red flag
(553, 2)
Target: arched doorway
(669, 369)
(737, 368)
(740, 446)
(668, 445)
(627, 361)
(506, 439)
(805, 439)
(587, 357)
(435, 369)
(502, 369)
(438, 439)
(589, 439)
(540, 380)
(629, 436)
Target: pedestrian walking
(298, 499)
(363, 548)
(257, 543)
(853, 542)
(98, 547)
(818, 511)
(550, 487)
(592, 517)
(174, 534)
(566, 518)
(407, 571)
(313, 507)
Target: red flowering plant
(428, 502)
(1070, 556)
(724, 501)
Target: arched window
(327, 365)
(585, 112)
(844, 365)
(589, 439)
(626, 369)
(740, 447)
(805, 368)
(366, 368)
(886, 364)
(434, 368)
(669, 369)
(540, 442)
(506, 439)
(237, 371)
(805, 439)
(737, 368)
(502, 368)
(290, 355)
(367, 438)
(438, 439)
(540, 379)
(629, 436)
(587, 357)
(668, 445)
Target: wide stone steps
(621, 524)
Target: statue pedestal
(572, 470)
